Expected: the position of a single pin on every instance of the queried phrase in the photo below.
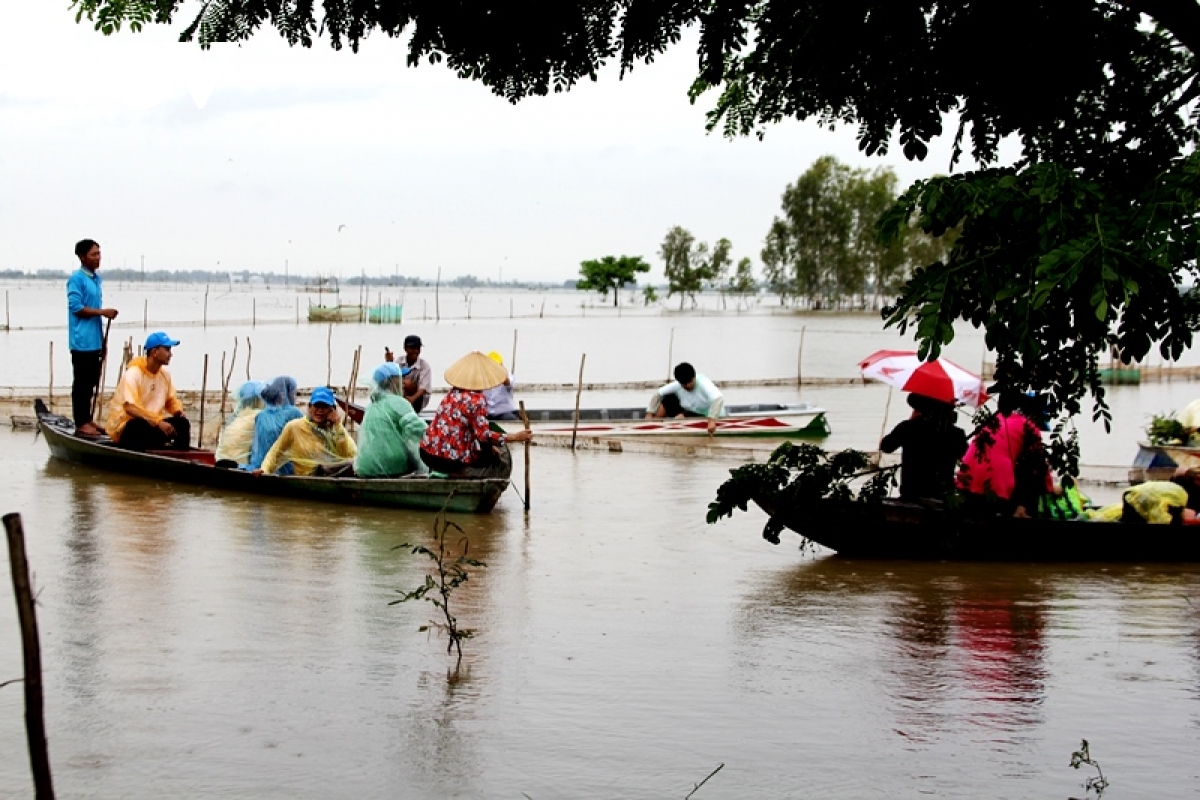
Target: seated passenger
(389, 438)
(280, 398)
(145, 413)
(689, 395)
(1006, 459)
(313, 445)
(932, 446)
(1154, 502)
(237, 437)
(500, 401)
(459, 441)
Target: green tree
(610, 274)
(742, 284)
(684, 278)
(1095, 220)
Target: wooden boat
(763, 419)
(338, 313)
(197, 467)
(1159, 462)
(894, 529)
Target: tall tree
(678, 257)
(742, 284)
(610, 274)
(1095, 220)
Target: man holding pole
(86, 336)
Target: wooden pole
(203, 398)
(98, 395)
(297, 310)
(146, 314)
(525, 419)
(249, 353)
(800, 360)
(578, 392)
(206, 306)
(512, 365)
(226, 377)
(437, 303)
(50, 391)
(883, 428)
(253, 314)
(671, 356)
(7, 318)
(329, 356)
(35, 723)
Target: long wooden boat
(762, 419)
(898, 530)
(197, 467)
(338, 313)
(1160, 461)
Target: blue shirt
(83, 291)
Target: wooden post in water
(35, 723)
(7, 318)
(578, 392)
(329, 356)
(297, 310)
(203, 398)
(206, 306)
(253, 314)
(512, 365)
(670, 356)
(525, 420)
(50, 391)
(249, 353)
(883, 428)
(146, 314)
(800, 360)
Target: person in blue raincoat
(237, 437)
(390, 435)
(280, 398)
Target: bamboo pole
(98, 395)
(226, 377)
(50, 390)
(253, 312)
(297, 310)
(578, 392)
(35, 722)
(206, 306)
(437, 303)
(512, 365)
(800, 360)
(525, 420)
(146, 314)
(671, 356)
(7, 318)
(203, 399)
(329, 356)
(249, 353)
(352, 384)
(883, 428)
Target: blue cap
(322, 394)
(386, 370)
(159, 339)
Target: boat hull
(762, 420)
(196, 468)
(335, 313)
(906, 531)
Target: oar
(525, 419)
(103, 363)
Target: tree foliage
(610, 274)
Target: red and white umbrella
(940, 379)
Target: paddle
(99, 387)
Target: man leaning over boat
(145, 413)
(689, 395)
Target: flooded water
(198, 644)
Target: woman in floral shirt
(459, 441)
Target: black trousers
(86, 365)
(141, 435)
(494, 462)
(670, 404)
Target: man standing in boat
(689, 395)
(86, 333)
(145, 413)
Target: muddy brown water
(198, 644)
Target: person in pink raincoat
(1006, 459)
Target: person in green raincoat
(390, 434)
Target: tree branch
(1180, 17)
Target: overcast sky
(244, 157)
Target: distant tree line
(823, 252)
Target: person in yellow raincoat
(238, 434)
(1154, 502)
(314, 445)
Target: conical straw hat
(475, 372)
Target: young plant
(1165, 429)
(1098, 781)
(450, 572)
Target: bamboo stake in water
(800, 360)
(35, 723)
(254, 312)
(203, 399)
(883, 428)
(249, 353)
(50, 391)
(146, 314)
(512, 365)
(578, 392)
(206, 306)
(525, 419)
(329, 356)
(7, 319)
(671, 355)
